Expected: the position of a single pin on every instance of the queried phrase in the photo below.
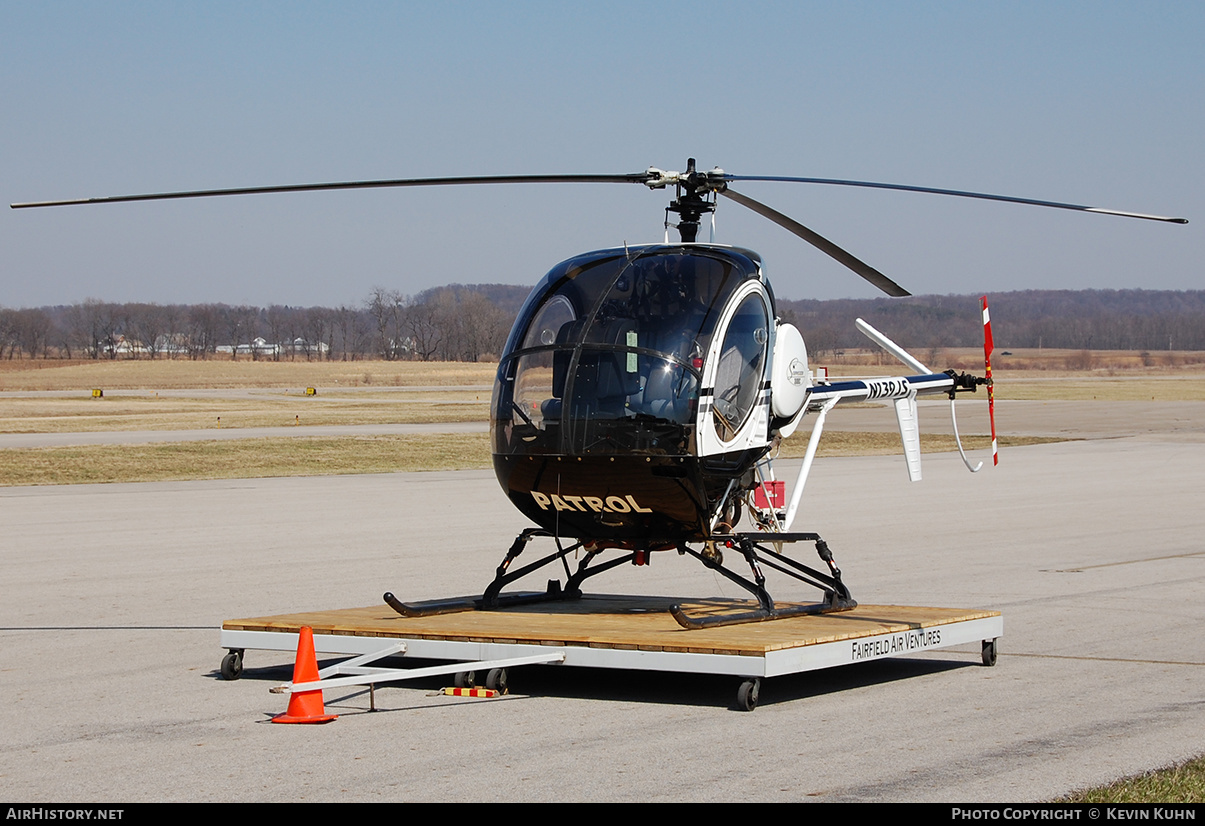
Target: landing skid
(752, 547)
(453, 606)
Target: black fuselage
(603, 387)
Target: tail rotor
(967, 382)
(988, 346)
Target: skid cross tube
(836, 593)
(776, 560)
(756, 588)
(491, 598)
(494, 599)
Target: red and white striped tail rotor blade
(988, 347)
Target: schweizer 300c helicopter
(643, 389)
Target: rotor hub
(695, 195)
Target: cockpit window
(609, 338)
(738, 374)
(552, 316)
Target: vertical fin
(905, 413)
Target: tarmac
(1092, 549)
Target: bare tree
(147, 326)
(99, 326)
(277, 318)
(8, 331)
(242, 325)
(423, 324)
(352, 331)
(204, 321)
(484, 329)
(317, 331)
(33, 329)
(384, 307)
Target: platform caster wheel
(465, 679)
(232, 664)
(496, 680)
(989, 652)
(746, 695)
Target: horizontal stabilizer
(890, 346)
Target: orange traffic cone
(305, 706)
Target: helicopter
(644, 390)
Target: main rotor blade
(957, 193)
(633, 178)
(819, 242)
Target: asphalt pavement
(113, 596)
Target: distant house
(309, 348)
(260, 348)
(127, 347)
(401, 348)
(174, 345)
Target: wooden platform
(636, 623)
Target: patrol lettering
(588, 504)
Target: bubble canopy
(606, 355)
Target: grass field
(56, 397)
(1019, 367)
(141, 410)
(160, 374)
(1044, 361)
(243, 459)
(1077, 375)
(1176, 784)
(150, 410)
(322, 456)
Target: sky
(1097, 103)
